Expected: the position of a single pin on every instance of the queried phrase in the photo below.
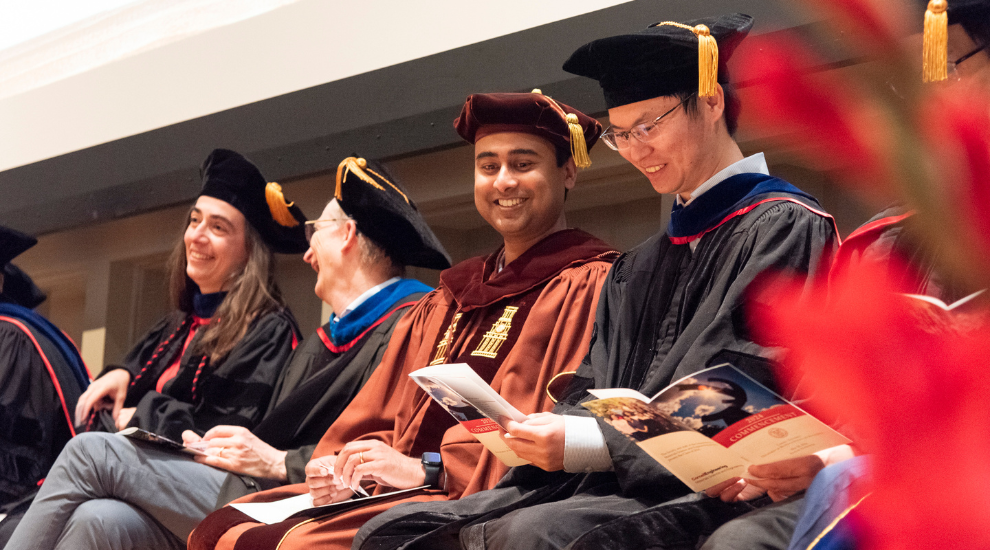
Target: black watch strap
(433, 466)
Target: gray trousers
(769, 528)
(108, 492)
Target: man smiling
(518, 317)
(669, 308)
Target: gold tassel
(579, 149)
(278, 207)
(358, 167)
(707, 61)
(707, 57)
(936, 42)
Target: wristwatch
(433, 466)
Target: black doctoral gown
(665, 312)
(317, 384)
(235, 391)
(41, 379)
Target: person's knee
(91, 525)
(521, 529)
(734, 534)
(767, 528)
(85, 451)
(87, 446)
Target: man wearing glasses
(670, 307)
(359, 248)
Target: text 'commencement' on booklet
(710, 426)
(469, 399)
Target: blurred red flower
(823, 116)
(910, 380)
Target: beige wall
(111, 276)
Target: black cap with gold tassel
(277, 205)
(230, 177)
(665, 59)
(384, 213)
(359, 167)
(936, 41)
(707, 56)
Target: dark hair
(732, 105)
(252, 294)
(563, 154)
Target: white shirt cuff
(584, 446)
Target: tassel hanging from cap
(579, 147)
(936, 42)
(707, 61)
(278, 207)
(707, 57)
(359, 167)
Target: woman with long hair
(217, 357)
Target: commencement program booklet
(479, 408)
(301, 506)
(710, 426)
(159, 440)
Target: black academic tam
(386, 214)
(661, 60)
(230, 177)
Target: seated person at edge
(887, 240)
(41, 377)
(359, 248)
(519, 317)
(668, 308)
(189, 373)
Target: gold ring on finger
(361, 457)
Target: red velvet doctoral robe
(517, 328)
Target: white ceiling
(152, 63)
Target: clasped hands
(334, 478)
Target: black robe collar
(205, 305)
(732, 197)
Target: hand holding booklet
(161, 441)
(710, 426)
(302, 506)
(469, 399)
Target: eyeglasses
(952, 65)
(643, 133)
(311, 228)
